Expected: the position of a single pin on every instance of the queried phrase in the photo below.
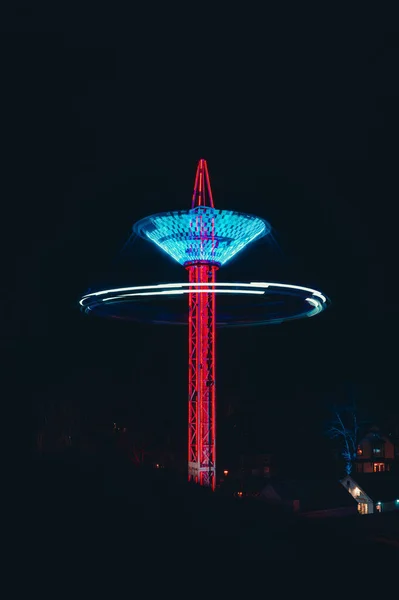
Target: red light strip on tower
(201, 374)
(201, 343)
(195, 186)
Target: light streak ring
(307, 302)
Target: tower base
(203, 475)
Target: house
(258, 464)
(375, 453)
(374, 492)
(311, 498)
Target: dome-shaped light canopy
(202, 234)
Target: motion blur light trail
(294, 302)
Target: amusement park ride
(202, 240)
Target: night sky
(106, 115)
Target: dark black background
(105, 115)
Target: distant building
(258, 464)
(374, 492)
(375, 453)
(310, 497)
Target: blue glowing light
(203, 234)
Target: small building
(310, 497)
(375, 453)
(257, 464)
(374, 492)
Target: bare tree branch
(348, 434)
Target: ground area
(112, 510)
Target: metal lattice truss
(202, 390)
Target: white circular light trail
(313, 297)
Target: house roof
(374, 434)
(381, 487)
(246, 483)
(314, 494)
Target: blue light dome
(202, 234)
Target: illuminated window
(363, 508)
(378, 507)
(378, 467)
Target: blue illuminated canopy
(202, 234)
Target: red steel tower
(202, 239)
(201, 345)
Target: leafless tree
(345, 428)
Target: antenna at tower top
(202, 195)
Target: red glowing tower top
(202, 195)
